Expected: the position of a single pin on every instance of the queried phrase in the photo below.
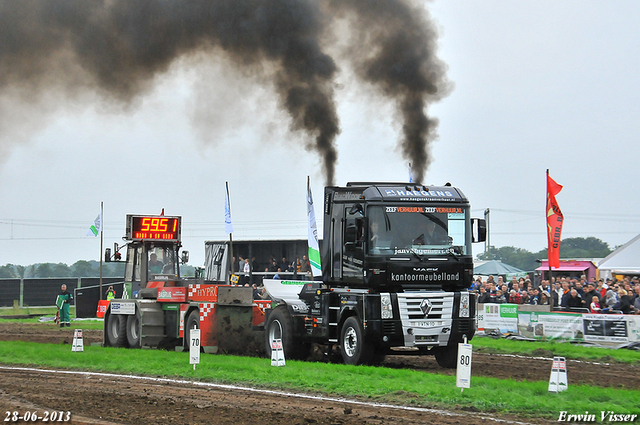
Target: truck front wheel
(447, 357)
(116, 330)
(355, 350)
(280, 326)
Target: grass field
(407, 387)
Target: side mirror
(185, 257)
(478, 230)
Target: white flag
(96, 227)
(314, 248)
(228, 227)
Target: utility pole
(487, 242)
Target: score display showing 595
(28, 416)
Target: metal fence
(42, 292)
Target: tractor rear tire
(193, 320)
(134, 329)
(116, 330)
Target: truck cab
(396, 268)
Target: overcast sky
(537, 85)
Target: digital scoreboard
(153, 228)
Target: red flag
(554, 222)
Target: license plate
(426, 324)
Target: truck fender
(296, 308)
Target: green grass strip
(75, 324)
(550, 349)
(406, 387)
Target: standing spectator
(484, 296)
(297, 266)
(544, 298)
(273, 265)
(505, 292)
(513, 282)
(534, 296)
(566, 294)
(515, 297)
(475, 286)
(601, 289)
(636, 300)
(305, 267)
(624, 302)
(111, 293)
(500, 298)
(595, 305)
(63, 302)
(611, 298)
(574, 300)
(247, 272)
(284, 265)
(589, 294)
(544, 287)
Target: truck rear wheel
(353, 347)
(116, 330)
(280, 326)
(134, 329)
(447, 357)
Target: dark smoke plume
(394, 48)
(117, 47)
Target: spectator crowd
(249, 272)
(564, 293)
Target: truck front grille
(441, 305)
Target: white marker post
(463, 371)
(277, 353)
(78, 344)
(558, 379)
(194, 347)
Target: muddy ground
(102, 399)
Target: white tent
(624, 260)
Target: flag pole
(230, 261)
(101, 242)
(551, 285)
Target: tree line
(81, 268)
(570, 249)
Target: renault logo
(425, 306)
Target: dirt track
(106, 399)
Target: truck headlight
(386, 308)
(464, 304)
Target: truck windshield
(418, 229)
